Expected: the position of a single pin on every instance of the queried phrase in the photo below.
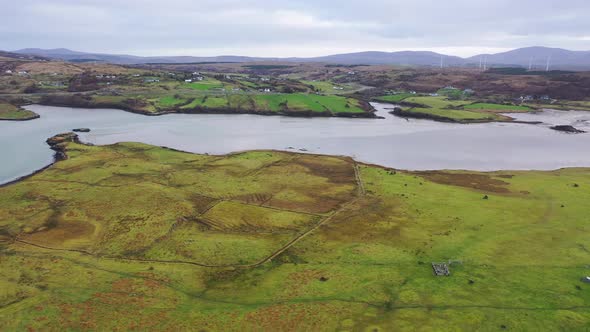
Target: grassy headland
(14, 113)
(443, 108)
(140, 237)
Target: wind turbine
(441, 62)
(548, 63)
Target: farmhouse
(8, 72)
(188, 80)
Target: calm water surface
(394, 142)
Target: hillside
(538, 57)
(559, 58)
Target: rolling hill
(538, 57)
(522, 57)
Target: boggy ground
(131, 236)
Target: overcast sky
(293, 27)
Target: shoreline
(369, 111)
(37, 116)
(424, 116)
(61, 154)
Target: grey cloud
(296, 27)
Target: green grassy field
(456, 115)
(326, 87)
(132, 236)
(396, 98)
(171, 101)
(497, 107)
(279, 103)
(441, 108)
(304, 102)
(436, 102)
(204, 85)
(563, 105)
(11, 112)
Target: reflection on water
(393, 141)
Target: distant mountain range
(536, 57)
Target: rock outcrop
(568, 129)
(57, 143)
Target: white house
(188, 81)
(8, 71)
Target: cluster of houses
(56, 84)
(524, 99)
(196, 77)
(19, 73)
(107, 77)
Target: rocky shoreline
(56, 143)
